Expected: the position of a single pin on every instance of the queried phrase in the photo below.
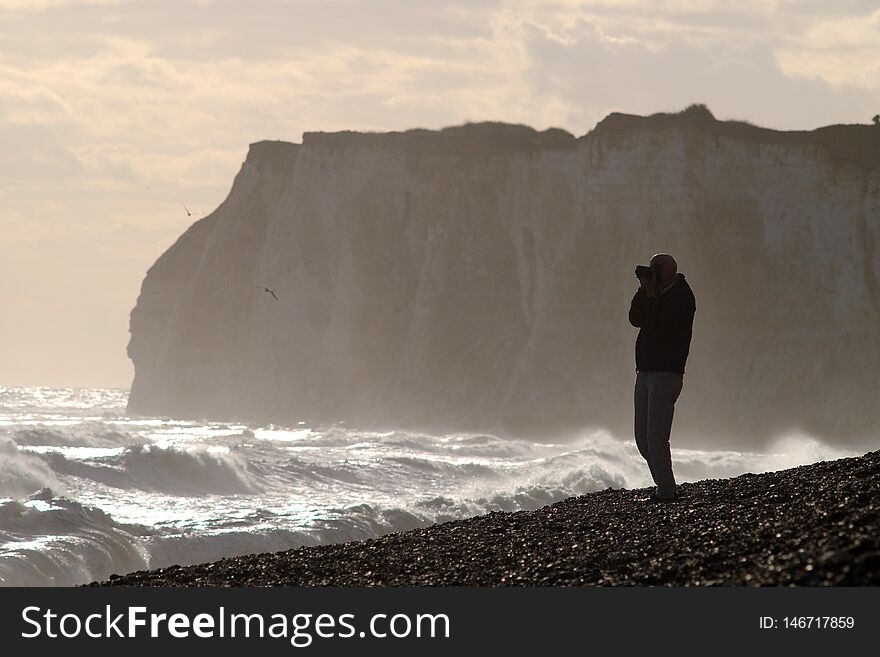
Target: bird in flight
(188, 213)
(266, 289)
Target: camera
(645, 272)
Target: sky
(116, 114)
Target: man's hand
(648, 286)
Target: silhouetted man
(663, 310)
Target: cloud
(592, 73)
(37, 5)
(839, 50)
(835, 42)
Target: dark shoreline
(812, 525)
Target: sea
(87, 491)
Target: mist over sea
(86, 491)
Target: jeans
(655, 396)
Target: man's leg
(640, 428)
(664, 391)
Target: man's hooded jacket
(665, 324)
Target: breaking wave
(49, 541)
(85, 493)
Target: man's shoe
(656, 498)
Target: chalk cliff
(479, 278)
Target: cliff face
(479, 278)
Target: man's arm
(637, 309)
(643, 309)
(681, 319)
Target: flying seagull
(188, 213)
(266, 289)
